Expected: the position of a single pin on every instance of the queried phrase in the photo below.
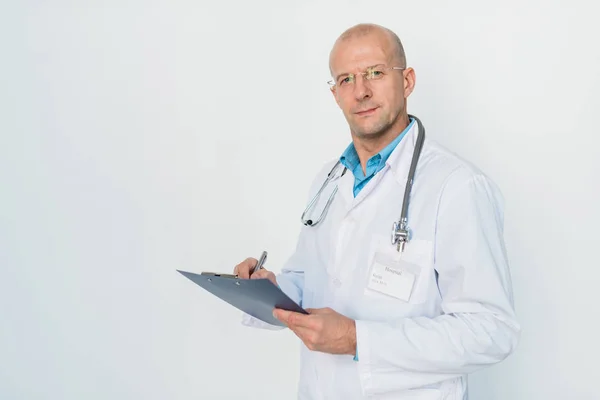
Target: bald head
(357, 31)
(371, 83)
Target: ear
(335, 96)
(409, 81)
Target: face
(372, 103)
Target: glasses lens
(374, 73)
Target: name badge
(394, 278)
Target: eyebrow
(347, 73)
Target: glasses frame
(333, 85)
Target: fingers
(316, 311)
(281, 315)
(243, 269)
(322, 330)
(264, 274)
(293, 319)
(302, 326)
(310, 338)
(260, 274)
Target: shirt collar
(349, 157)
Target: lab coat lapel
(400, 159)
(346, 189)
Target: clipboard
(255, 297)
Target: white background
(137, 138)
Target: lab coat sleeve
(477, 327)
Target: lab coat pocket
(404, 276)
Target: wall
(140, 137)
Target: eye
(344, 81)
(375, 73)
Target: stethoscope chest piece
(400, 235)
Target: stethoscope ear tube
(330, 177)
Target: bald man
(388, 321)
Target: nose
(361, 89)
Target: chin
(369, 131)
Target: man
(385, 322)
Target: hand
(243, 269)
(322, 330)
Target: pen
(261, 261)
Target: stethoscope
(400, 231)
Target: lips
(366, 111)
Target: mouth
(366, 112)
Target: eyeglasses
(371, 74)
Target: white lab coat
(459, 317)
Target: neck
(367, 146)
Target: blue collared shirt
(350, 160)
